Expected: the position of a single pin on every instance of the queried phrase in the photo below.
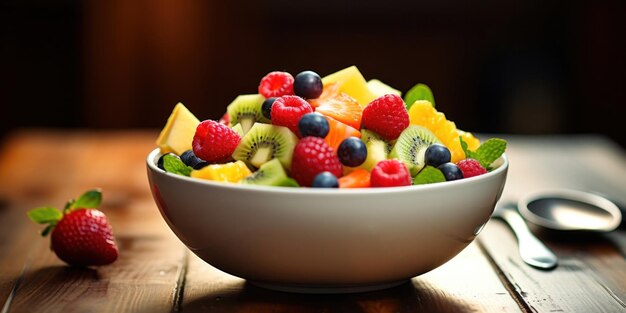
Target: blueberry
(190, 159)
(325, 180)
(266, 107)
(436, 155)
(352, 152)
(450, 171)
(313, 124)
(308, 85)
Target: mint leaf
(89, 200)
(45, 215)
(418, 92)
(489, 151)
(469, 154)
(174, 165)
(429, 175)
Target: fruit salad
(339, 131)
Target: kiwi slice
(264, 142)
(376, 152)
(246, 110)
(368, 135)
(377, 148)
(271, 173)
(411, 146)
(238, 129)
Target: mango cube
(350, 81)
(178, 132)
(231, 172)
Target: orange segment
(359, 178)
(330, 91)
(338, 132)
(342, 108)
(424, 114)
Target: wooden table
(156, 273)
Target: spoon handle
(531, 250)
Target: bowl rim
(154, 155)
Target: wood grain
(63, 165)
(592, 269)
(467, 283)
(156, 273)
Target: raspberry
(471, 167)
(390, 173)
(386, 116)
(311, 156)
(276, 84)
(288, 110)
(214, 142)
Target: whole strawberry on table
(80, 234)
(337, 131)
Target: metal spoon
(570, 210)
(531, 250)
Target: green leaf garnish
(174, 165)
(45, 215)
(468, 153)
(89, 200)
(429, 175)
(489, 151)
(418, 92)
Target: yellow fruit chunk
(178, 132)
(424, 114)
(228, 172)
(379, 88)
(350, 81)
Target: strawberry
(214, 142)
(312, 156)
(386, 115)
(81, 235)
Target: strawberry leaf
(45, 215)
(89, 200)
(47, 230)
(429, 175)
(69, 205)
(418, 92)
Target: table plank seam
(179, 289)
(510, 286)
(16, 285)
(606, 288)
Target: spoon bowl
(570, 210)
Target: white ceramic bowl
(325, 240)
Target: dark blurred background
(526, 67)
